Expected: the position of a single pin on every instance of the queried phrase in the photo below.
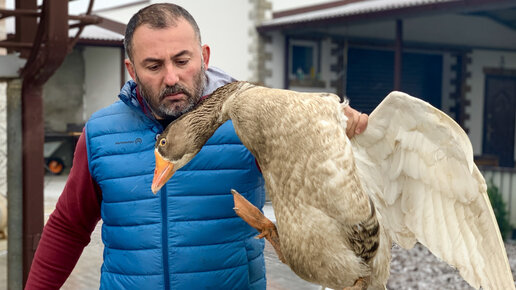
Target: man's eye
(153, 67)
(182, 61)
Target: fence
(505, 179)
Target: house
(459, 55)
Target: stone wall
(261, 10)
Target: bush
(499, 208)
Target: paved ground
(413, 269)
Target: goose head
(184, 138)
(174, 148)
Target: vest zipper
(164, 236)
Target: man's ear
(130, 68)
(206, 55)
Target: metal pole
(26, 25)
(33, 171)
(48, 53)
(14, 186)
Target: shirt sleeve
(68, 228)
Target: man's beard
(174, 110)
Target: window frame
(315, 45)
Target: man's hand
(357, 122)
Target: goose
(340, 204)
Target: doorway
(499, 118)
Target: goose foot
(360, 284)
(255, 218)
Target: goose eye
(163, 142)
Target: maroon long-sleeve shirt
(69, 227)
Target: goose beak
(162, 173)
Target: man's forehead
(179, 25)
(155, 42)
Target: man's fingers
(357, 122)
(352, 124)
(363, 119)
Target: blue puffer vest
(187, 236)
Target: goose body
(339, 204)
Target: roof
(346, 11)
(107, 31)
(97, 33)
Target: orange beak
(162, 173)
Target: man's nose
(171, 75)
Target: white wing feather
(417, 164)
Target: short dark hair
(161, 15)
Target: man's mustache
(171, 90)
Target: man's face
(168, 66)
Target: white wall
(225, 26)
(63, 94)
(280, 5)
(277, 63)
(101, 79)
(482, 59)
(327, 59)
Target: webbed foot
(255, 218)
(360, 284)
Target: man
(187, 235)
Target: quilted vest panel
(187, 236)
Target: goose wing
(417, 164)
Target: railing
(505, 179)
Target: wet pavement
(86, 273)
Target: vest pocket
(256, 264)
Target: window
(304, 63)
(302, 59)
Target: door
(499, 117)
